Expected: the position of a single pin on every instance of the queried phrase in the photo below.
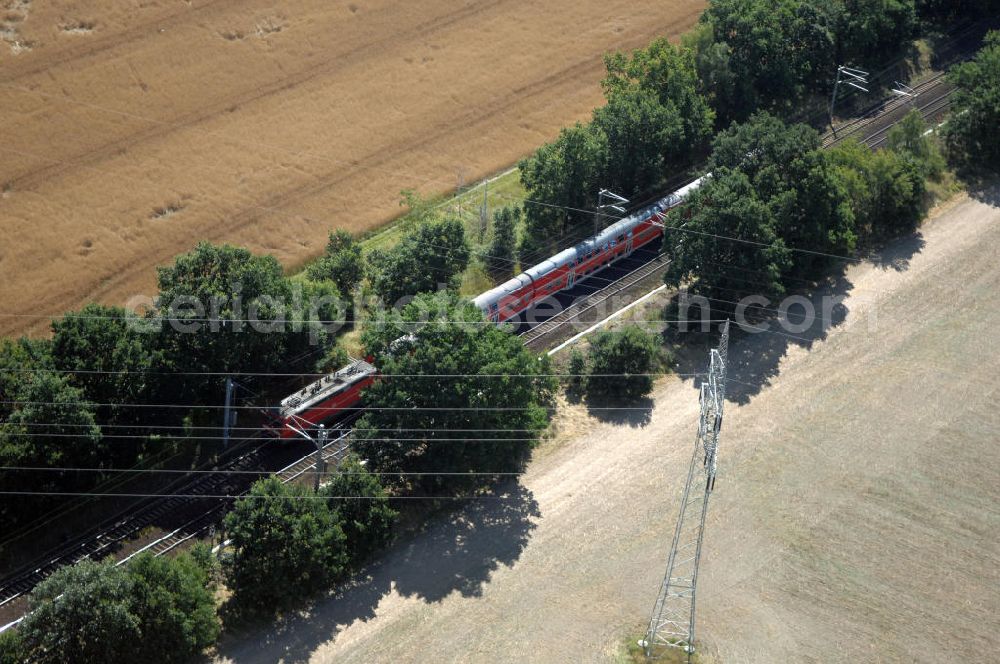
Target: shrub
(342, 263)
(286, 545)
(362, 508)
(621, 362)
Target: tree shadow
(458, 552)
(635, 414)
(757, 346)
(984, 188)
(897, 254)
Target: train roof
(327, 386)
(567, 256)
(494, 294)
(564, 257)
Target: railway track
(107, 537)
(533, 338)
(101, 545)
(930, 97)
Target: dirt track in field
(128, 133)
(855, 518)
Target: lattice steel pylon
(672, 622)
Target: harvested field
(131, 131)
(854, 519)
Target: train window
(621, 238)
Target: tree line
(665, 101)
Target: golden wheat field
(131, 129)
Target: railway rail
(108, 536)
(535, 337)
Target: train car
(572, 266)
(326, 399)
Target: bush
(287, 545)
(362, 508)
(335, 358)
(342, 263)
(910, 139)
(576, 380)
(621, 362)
(12, 649)
(172, 599)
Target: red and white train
(328, 398)
(574, 265)
(335, 394)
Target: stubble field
(133, 128)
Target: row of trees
(288, 544)
(778, 210)
(149, 610)
(219, 309)
(664, 101)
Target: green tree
(342, 263)
(446, 371)
(431, 254)
(501, 254)
(704, 255)
(174, 606)
(972, 127)
(12, 649)
(656, 119)
(911, 139)
(715, 80)
(362, 506)
(795, 180)
(107, 356)
(207, 298)
(779, 51)
(621, 362)
(870, 31)
(80, 615)
(565, 175)
(638, 132)
(53, 426)
(20, 361)
(286, 544)
(886, 190)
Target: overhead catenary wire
(166, 471)
(249, 496)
